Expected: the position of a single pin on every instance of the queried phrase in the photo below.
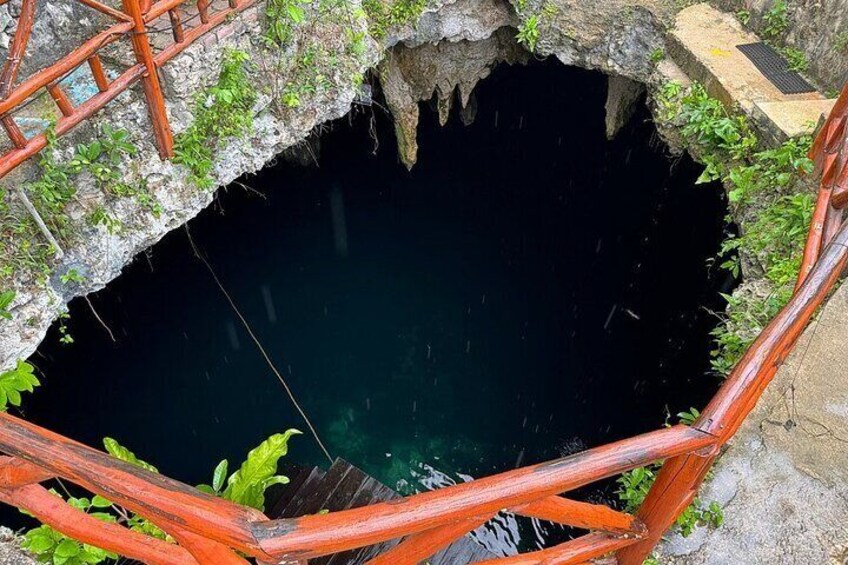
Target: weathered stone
(622, 96)
(782, 480)
(412, 75)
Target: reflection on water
(528, 291)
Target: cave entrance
(529, 290)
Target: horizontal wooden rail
(313, 536)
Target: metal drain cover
(775, 68)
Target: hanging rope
(259, 346)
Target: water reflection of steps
(344, 486)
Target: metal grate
(775, 68)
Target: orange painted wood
(15, 157)
(52, 510)
(17, 49)
(812, 248)
(574, 552)
(746, 383)
(61, 99)
(419, 547)
(829, 134)
(150, 82)
(96, 66)
(17, 473)
(832, 222)
(176, 25)
(108, 10)
(13, 131)
(191, 35)
(153, 496)
(674, 490)
(203, 8)
(204, 550)
(68, 63)
(581, 515)
(312, 536)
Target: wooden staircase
(344, 486)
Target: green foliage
(528, 32)
(775, 20)
(50, 546)
(22, 246)
(224, 110)
(282, 17)
(118, 451)
(743, 16)
(840, 42)
(72, 276)
(306, 77)
(6, 299)
(796, 58)
(765, 178)
(15, 381)
(657, 55)
(634, 486)
(100, 217)
(258, 472)
(383, 15)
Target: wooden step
(344, 486)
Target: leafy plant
(258, 472)
(657, 55)
(796, 58)
(528, 32)
(118, 451)
(282, 16)
(224, 110)
(72, 276)
(775, 20)
(743, 16)
(51, 546)
(15, 381)
(384, 15)
(6, 298)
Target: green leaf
(100, 502)
(247, 485)
(115, 449)
(67, 548)
(13, 382)
(6, 299)
(219, 475)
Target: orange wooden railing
(135, 23)
(209, 530)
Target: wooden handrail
(211, 530)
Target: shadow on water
(528, 290)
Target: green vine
(223, 111)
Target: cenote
(528, 290)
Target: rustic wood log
(54, 511)
(419, 547)
(17, 49)
(16, 473)
(96, 66)
(176, 25)
(150, 82)
(61, 98)
(582, 515)
(574, 552)
(313, 536)
(13, 131)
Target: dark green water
(529, 290)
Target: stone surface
(819, 28)
(783, 479)
(791, 118)
(703, 43)
(10, 550)
(622, 97)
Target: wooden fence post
(675, 488)
(150, 81)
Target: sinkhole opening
(530, 289)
